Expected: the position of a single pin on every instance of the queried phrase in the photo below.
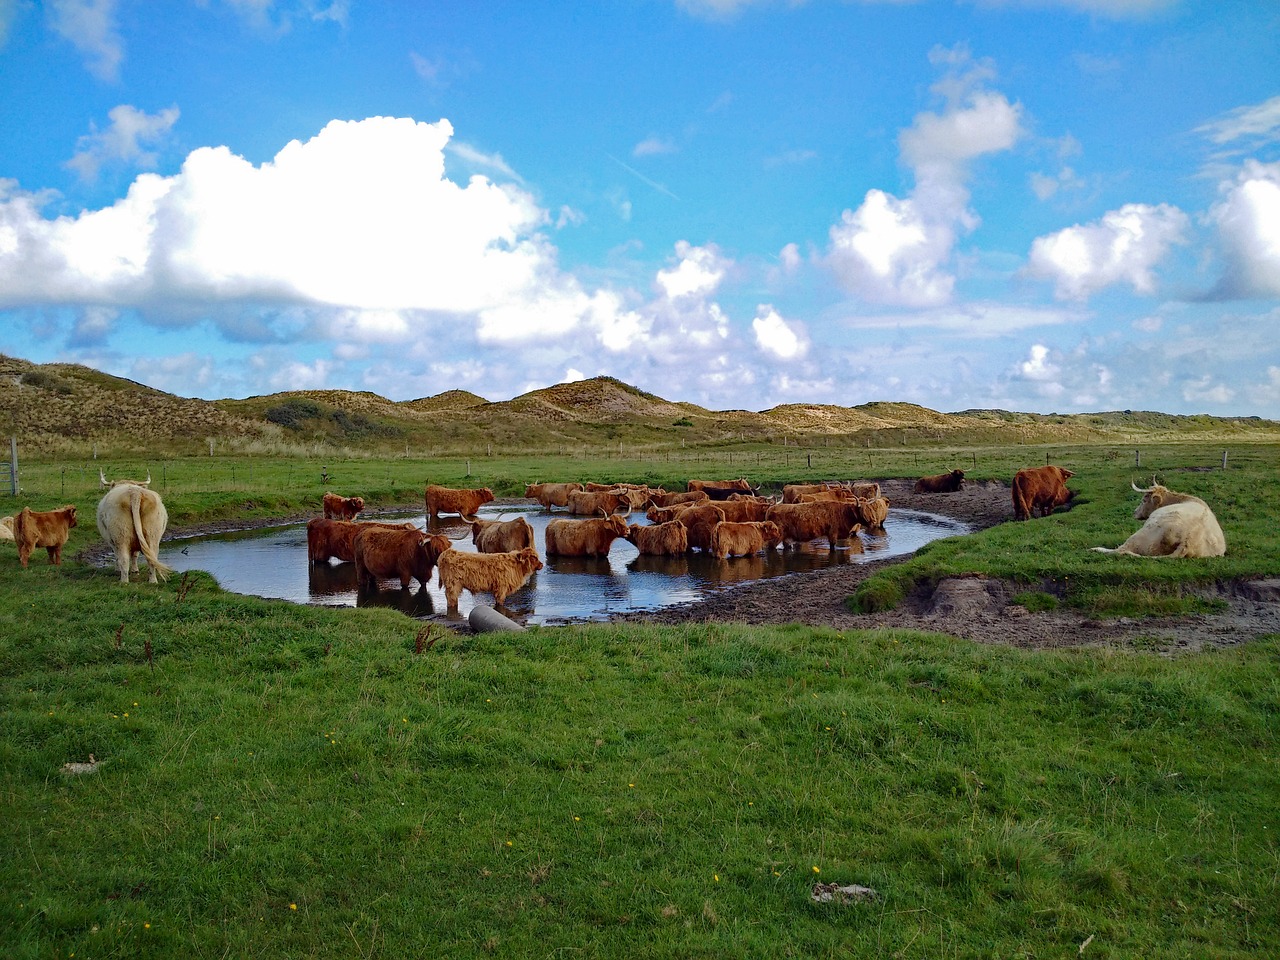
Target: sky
(1036, 205)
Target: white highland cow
(132, 519)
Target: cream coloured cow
(1177, 525)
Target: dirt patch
(978, 608)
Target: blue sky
(1039, 205)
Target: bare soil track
(978, 608)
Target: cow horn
(461, 536)
(147, 482)
(466, 519)
(102, 477)
(1138, 489)
(628, 513)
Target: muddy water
(272, 562)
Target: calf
(341, 508)
(48, 529)
(382, 554)
(731, 539)
(501, 574)
(663, 539)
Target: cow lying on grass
(500, 574)
(941, 483)
(1177, 525)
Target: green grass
(289, 781)
(285, 781)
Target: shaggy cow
(463, 502)
(336, 538)
(720, 489)
(132, 520)
(663, 539)
(46, 528)
(551, 494)
(501, 574)
(589, 503)
(700, 520)
(941, 483)
(104, 483)
(731, 539)
(802, 522)
(1177, 525)
(744, 511)
(383, 554)
(792, 492)
(6, 528)
(872, 512)
(676, 499)
(664, 514)
(500, 536)
(1038, 490)
(584, 538)
(341, 508)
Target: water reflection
(273, 563)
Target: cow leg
(55, 555)
(122, 564)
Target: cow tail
(1021, 509)
(149, 550)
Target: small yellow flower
(135, 703)
(508, 843)
(630, 784)
(147, 926)
(293, 906)
(816, 870)
(717, 877)
(577, 818)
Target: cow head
(1153, 498)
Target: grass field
(286, 781)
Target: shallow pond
(272, 562)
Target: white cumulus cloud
(698, 273)
(897, 250)
(1248, 222)
(1123, 247)
(778, 337)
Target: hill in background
(71, 410)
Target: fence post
(13, 465)
(1224, 459)
(1137, 458)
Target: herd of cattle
(725, 518)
